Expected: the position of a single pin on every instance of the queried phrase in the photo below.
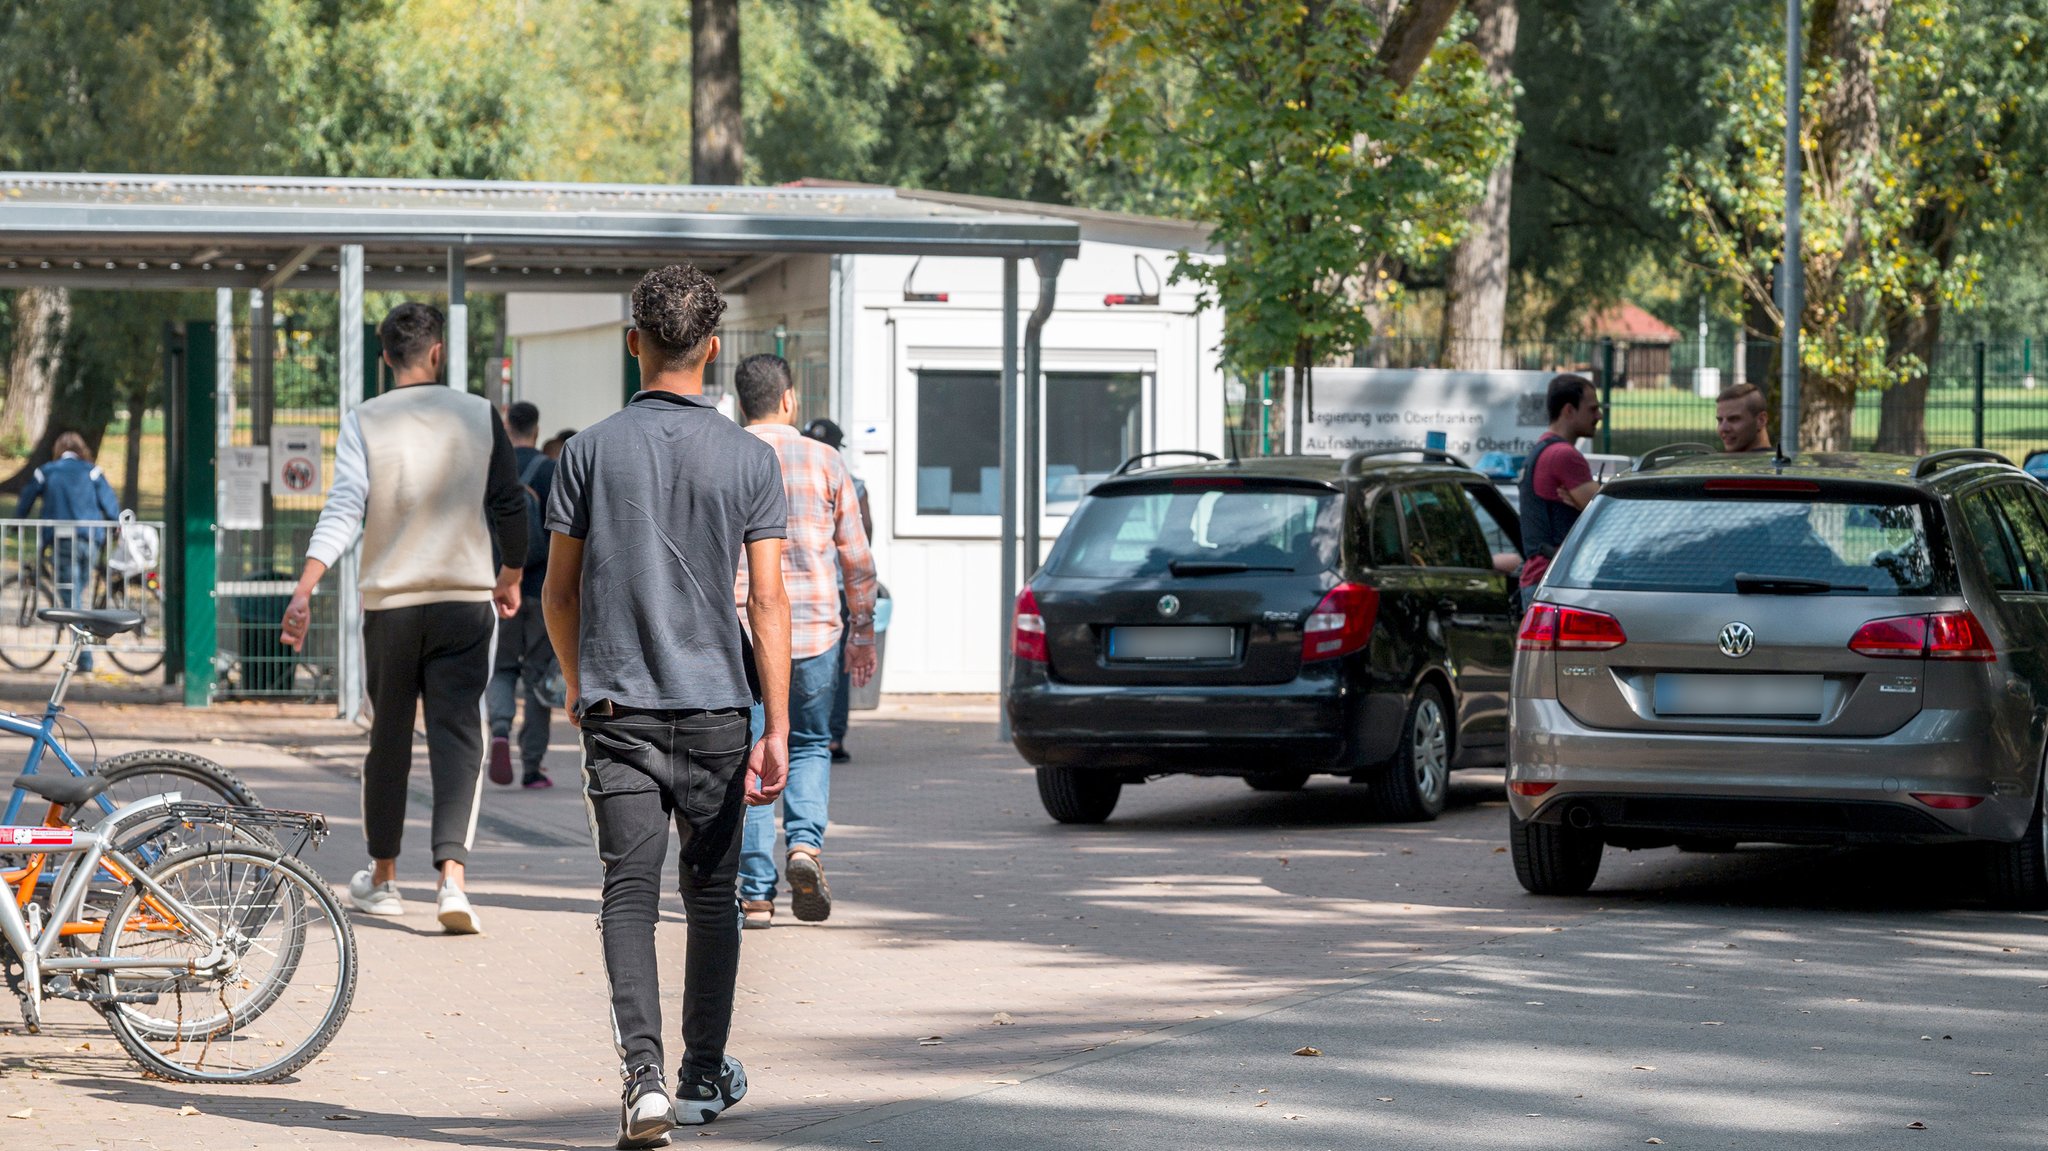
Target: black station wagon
(1270, 619)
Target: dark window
(1384, 533)
(1992, 538)
(2027, 536)
(1499, 540)
(1268, 530)
(1092, 424)
(959, 440)
(1441, 530)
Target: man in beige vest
(428, 472)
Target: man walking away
(427, 470)
(1558, 483)
(650, 512)
(524, 653)
(1743, 419)
(826, 432)
(72, 487)
(827, 549)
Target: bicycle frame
(44, 735)
(37, 950)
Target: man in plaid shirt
(827, 546)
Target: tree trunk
(131, 454)
(1476, 275)
(1411, 36)
(1902, 416)
(1826, 412)
(41, 316)
(715, 129)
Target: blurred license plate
(1172, 642)
(1788, 696)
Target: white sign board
(243, 472)
(295, 461)
(1365, 409)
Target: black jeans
(438, 654)
(641, 770)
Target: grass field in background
(2015, 419)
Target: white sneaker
(457, 916)
(375, 898)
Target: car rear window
(1274, 530)
(1700, 543)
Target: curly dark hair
(408, 331)
(676, 309)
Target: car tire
(1553, 859)
(1277, 780)
(2019, 871)
(1413, 785)
(1072, 795)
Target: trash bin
(870, 697)
(267, 666)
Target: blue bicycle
(129, 777)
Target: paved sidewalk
(959, 905)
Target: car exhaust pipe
(1582, 816)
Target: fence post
(1607, 394)
(1978, 375)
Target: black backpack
(536, 529)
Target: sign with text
(1368, 409)
(294, 461)
(242, 472)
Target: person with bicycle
(72, 487)
(427, 470)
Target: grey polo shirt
(665, 494)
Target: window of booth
(959, 443)
(1093, 422)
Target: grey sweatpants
(438, 654)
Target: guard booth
(244, 487)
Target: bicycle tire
(19, 602)
(114, 595)
(153, 771)
(223, 1037)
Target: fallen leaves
(1642, 1067)
(931, 1041)
(1308, 1051)
(24, 1113)
(341, 1117)
(1003, 1019)
(1657, 1142)
(187, 1109)
(1916, 1125)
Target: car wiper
(1219, 567)
(1747, 584)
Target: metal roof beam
(299, 261)
(735, 280)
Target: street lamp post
(1792, 281)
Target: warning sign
(294, 462)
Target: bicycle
(26, 593)
(129, 776)
(226, 962)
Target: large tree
(716, 152)
(1476, 271)
(1320, 142)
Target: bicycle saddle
(101, 624)
(64, 790)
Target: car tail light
(1341, 624)
(1548, 627)
(1531, 787)
(1951, 635)
(1943, 801)
(1027, 640)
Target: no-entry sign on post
(294, 462)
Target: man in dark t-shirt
(1557, 482)
(650, 512)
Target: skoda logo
(1736, 640)
(1169, 605)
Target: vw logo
(1737, 639)
(1169, 605)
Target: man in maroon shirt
(1558, 483)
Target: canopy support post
(1007, 458)
(348, 670)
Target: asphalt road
(1766, 998)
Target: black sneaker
(645, 1113)
(701, 1098)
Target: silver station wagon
(1842, 648)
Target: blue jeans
(76, 557)
(812, 683)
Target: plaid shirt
(825, 542)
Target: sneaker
(646, 1114)
(536, 780)
(702, 1098)
(809, 896)
(457, 916)
(840, 754)
(375, 898)
(757, 912)
(501, 760)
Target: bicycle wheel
(155, 771)
(26, 643)
(127, 650)
(270, 1006)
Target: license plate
(1166, 643)
(1775, 696)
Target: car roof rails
(1125, 467)
(1436, 455)
(1658, 457)
(1931, 464)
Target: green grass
(2015, 419)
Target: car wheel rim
(1431, 747)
